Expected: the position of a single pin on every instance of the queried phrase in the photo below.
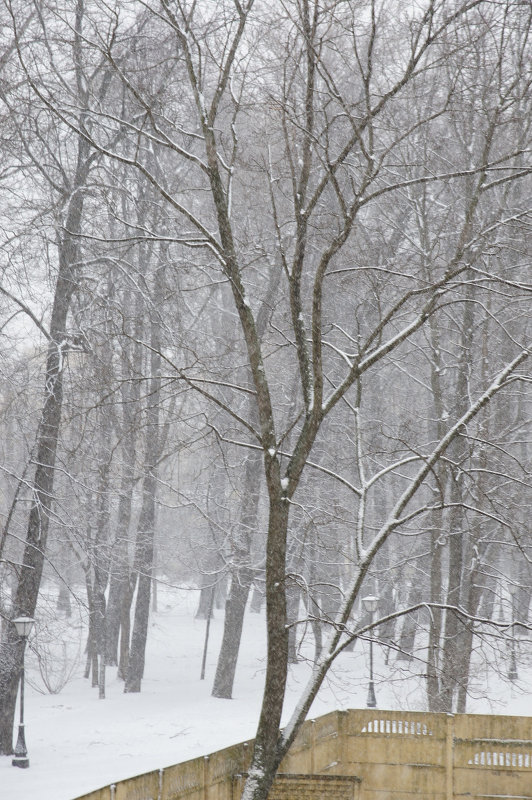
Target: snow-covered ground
(77, 742)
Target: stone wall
(364, 754)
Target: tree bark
(267, 754)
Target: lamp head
(24, 626)
(370, 603)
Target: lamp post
(370, 604)
(512, 671)
(24, 627)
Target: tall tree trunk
(204, 605)
(387, 593)
(125, 624)
(472, 602)
(241, 581)
(100, 552)
(457, 453)
(212, 568)
(119, 589)
(146, 525)
(144, 564)
(64, 606)
(407, 637)
(257, 597)
(235, 607)
(435, 616)
(293, 596)
(122, 583)
(435, 621)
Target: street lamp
(24, 627)
(370, 604)
(512, 672)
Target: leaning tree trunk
(235, 606)
(32, 564)
(30, 573)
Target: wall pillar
(449, 758)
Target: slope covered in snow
(77, 742)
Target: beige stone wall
(397, 756)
